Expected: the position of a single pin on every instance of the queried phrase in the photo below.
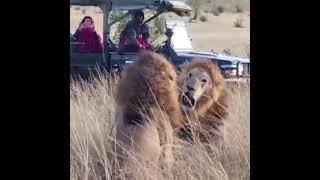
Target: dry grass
(92, 113)
(238, 9)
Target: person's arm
(100, 44)
(122, 35)
(125, 30)
(146, 33)
(76, 34)
(98, 38)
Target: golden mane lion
(203, 98)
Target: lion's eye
(190, 74)
(204, 80)
(171, 78)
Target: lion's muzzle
(188, 100)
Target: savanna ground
(92, 111)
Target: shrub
(203, 18)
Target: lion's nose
(190, 88)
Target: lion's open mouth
(187, 100)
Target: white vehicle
(233, 68)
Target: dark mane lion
(147, 108)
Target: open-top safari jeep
(110, 59)
(234, 69)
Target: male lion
(147, 109)
(203, 98)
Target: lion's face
(195, 84)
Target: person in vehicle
(165, 48)
(141, 28)
(132, 42)
(88, 39)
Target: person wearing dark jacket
(166, 48)
(137, 24)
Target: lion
(203, 99)
(147, 109)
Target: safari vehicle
(234, 69)
(110, 59)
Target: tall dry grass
(92, 113)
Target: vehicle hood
(211, 55)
